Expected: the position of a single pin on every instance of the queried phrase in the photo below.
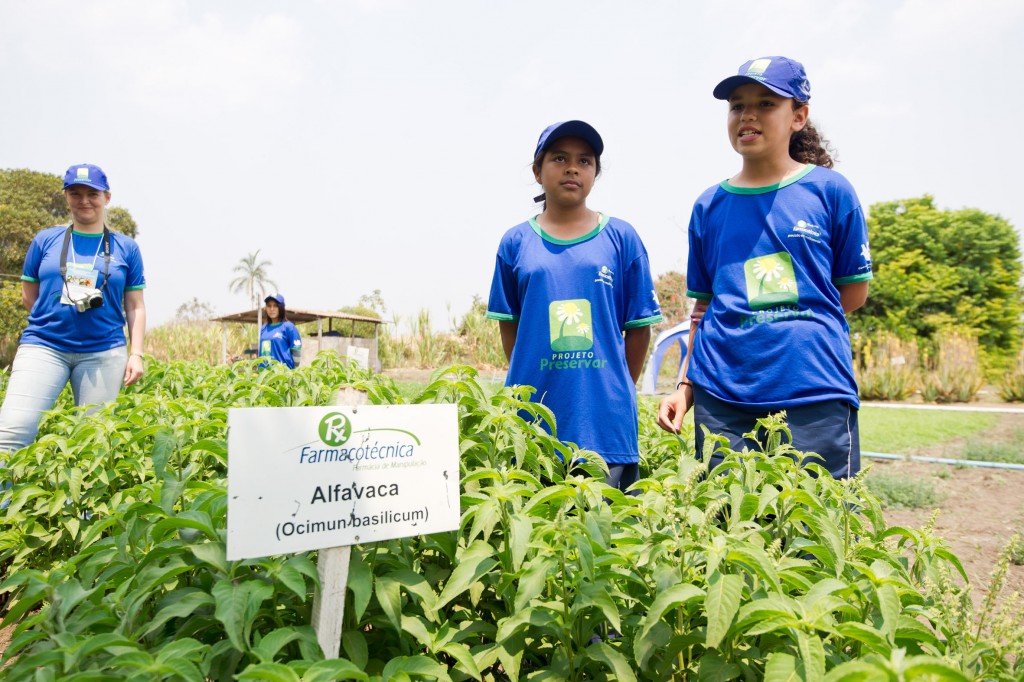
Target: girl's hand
(673, 408)
(133, 371)
(699, 308)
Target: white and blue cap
(88, 175)
(785, 77)
(275, 297)
(580, 129)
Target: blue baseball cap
(785, 77)
(88, 175)
(580, 129)
(275, 297)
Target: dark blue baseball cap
(88, 175)
(785, 77)
(275, 297)
(580, 129)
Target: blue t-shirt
(573, 300)
(59, 325)
(768, 259)
(277, 341)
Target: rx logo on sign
(335, 429)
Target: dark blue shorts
(828, 428)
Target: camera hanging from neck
(64, 257)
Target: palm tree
(253, 279)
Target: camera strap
(105, 245)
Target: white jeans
(39, 374)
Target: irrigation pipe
(943, 460)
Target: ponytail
(808, 146)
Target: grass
(904, 431)
(900, 492)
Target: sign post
(326, 478)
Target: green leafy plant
(762, 567)
(954, 374)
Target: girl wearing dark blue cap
(279, 338)
(573, 295)
(779, 255)
(81, 283)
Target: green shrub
(761, 568)
(900, 492)
(886, 368)
(954, 373)
(1011, 387)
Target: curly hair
(808, 146)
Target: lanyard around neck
(105, 245)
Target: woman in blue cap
(573, 295)
(779, 254)
(81, 283)
(279, 338)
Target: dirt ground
(980, 509)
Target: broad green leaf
(812, 655)
(273, 642)
(473, 563)
(928, 668)
(164, 445)
(714, 668)
(415, 665)
(874, 640)
(532, 582)
(857, 671)
(360, 582)
(389, 596)
(616, 662)
(520, 527)
(676, 595)
(463, 657)
(337, 669)
(213, 554)
(722, 603)
(889, 609)
(237, 605)
(269, 672)
(783, 668)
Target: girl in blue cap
(779, 255)
(279, 338)
(574, 298)
(81, 283)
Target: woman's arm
(638, 342)
(674, 407)
(29, 294)
(509, 331)
(135, 313)
(853, 295)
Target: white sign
(359, 355)
(302, 478)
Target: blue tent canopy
(677, 334)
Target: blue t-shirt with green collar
(59, 325)
(769, 260)
(572, 300)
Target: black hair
(808, 146)
(539, 159)
(280, 307)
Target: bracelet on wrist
(683, 383)
(138, 355)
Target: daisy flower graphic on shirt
(583, 329)
(768, 268)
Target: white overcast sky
(385, 144)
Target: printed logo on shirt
(605, 276)
(865, 252)
(572, 337)
(571, 325)
(805, 230)
(771, 280)
(265, 348)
